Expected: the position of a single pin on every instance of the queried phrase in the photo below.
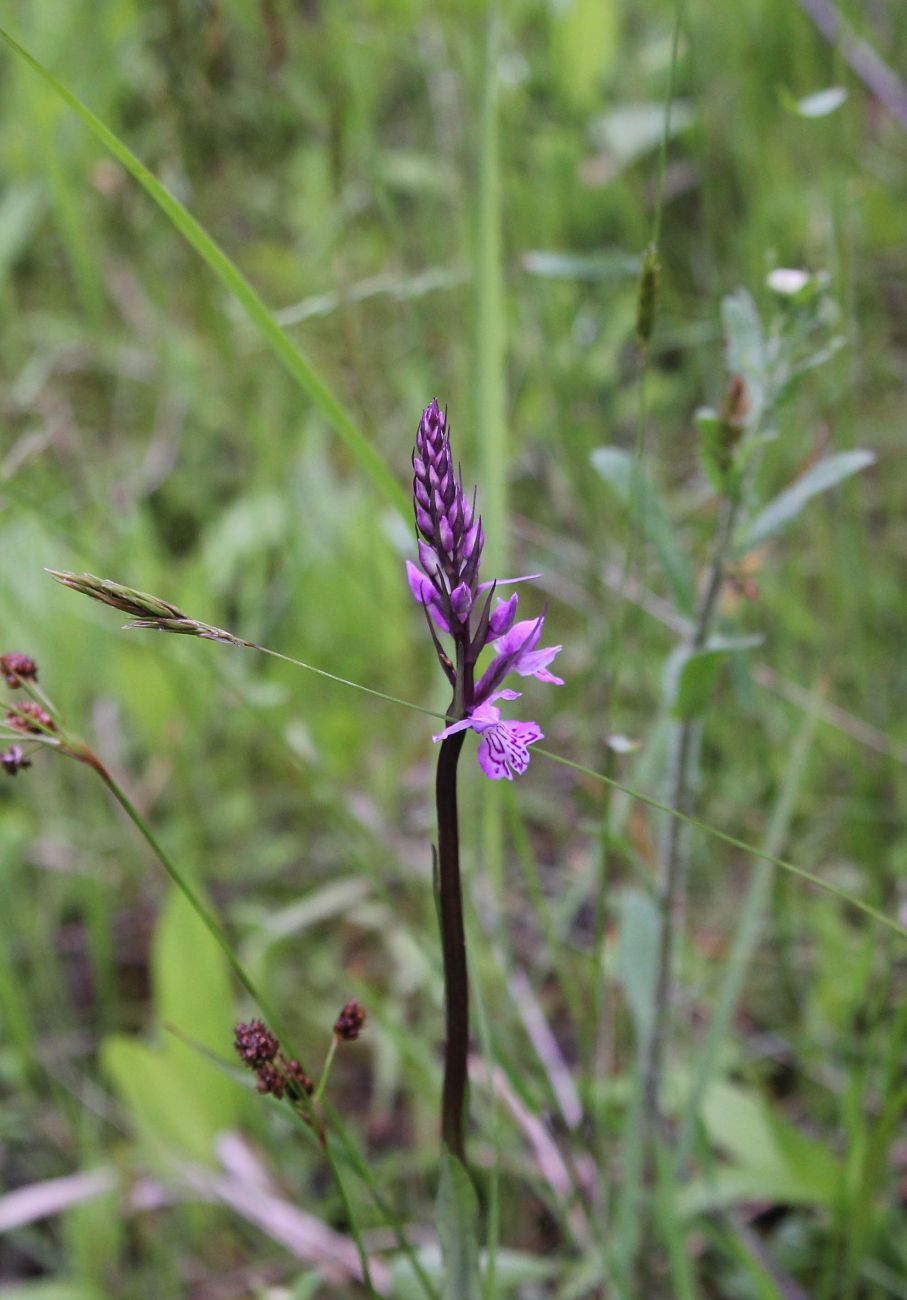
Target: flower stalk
(446, 584)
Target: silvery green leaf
(785, 507)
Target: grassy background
(427, 220)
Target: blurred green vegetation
(335, 153)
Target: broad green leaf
(631, 485)
(318, 391)
(690, 678)
(636, 956)
(192, 993)
(515, 1273)
(785, 507)
(770, 1158)
(584, 37)
(457, 1214)
(170, 1114)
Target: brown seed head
(350, 1022)
(297, 1081)
(17, 668)
(255, 1043)
(30, 718)
(271, 1080)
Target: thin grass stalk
(645, 322)
(671, 891)
(91, 760)
(100, 591)
(746, 937)
(309, 380)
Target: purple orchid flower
(446, 584)
(504, 746)
(518, 646)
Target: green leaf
(583, 46)
(771, 1159)
(321, 395)
(457, 1216)
(631, 485)
(192, 993)
(690, 677)
(717, 445)
(636, 956)
(515, 1272)
(785, 507)
(170, 1115)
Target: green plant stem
(87, 756)
(453, 945)
(325, 1072)
(671, 892)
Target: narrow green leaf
(785, 507)
(457, 1215)
(690, 678)
(321, 395)
(745, 348)
(636, 956)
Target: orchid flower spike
(457, 604)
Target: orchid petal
(504, 749)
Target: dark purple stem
(453, 946)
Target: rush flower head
(446, 584)
(17, 668)
(350, 1022)
(30, 718)
(255, 1043)
(260, 1050)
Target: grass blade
(230, 276)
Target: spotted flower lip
(504, 744)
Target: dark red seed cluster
(350, 1022)
(260, 1050)
(255, 1043)
(17, 668)
(30, 718)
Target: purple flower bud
(471, 539)
(461, 601)
(428, 559)
(445, 534)
(501, 620)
